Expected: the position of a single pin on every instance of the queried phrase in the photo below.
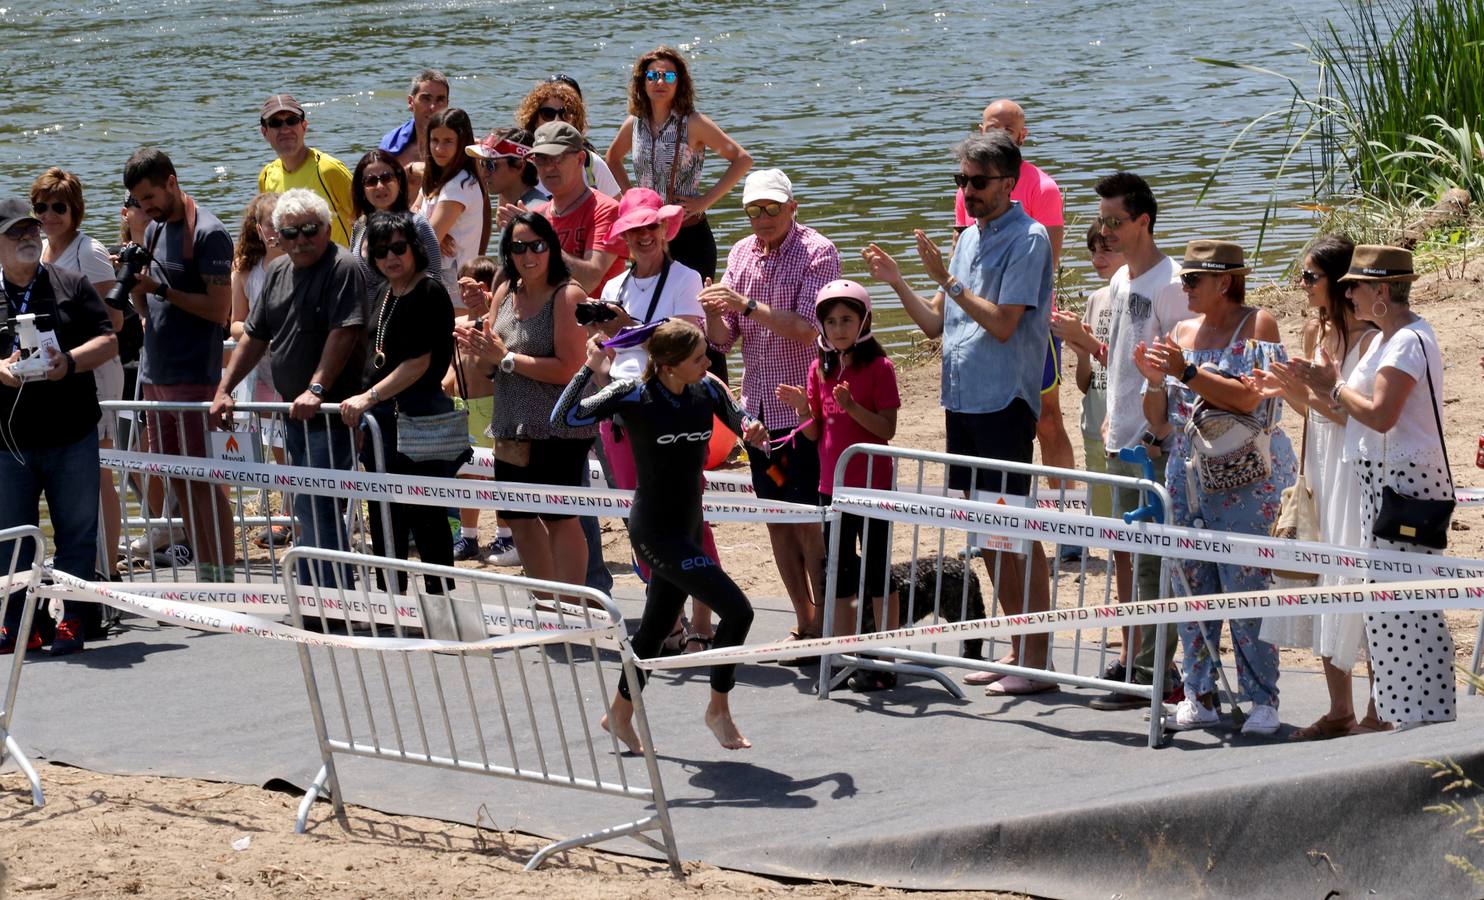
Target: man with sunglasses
(993, 312)
(310, 318)
(766, 298)
(184, 298)
(283, 124)
(580, 214)
(48, 425)
(427, 95)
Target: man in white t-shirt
(1146, 301)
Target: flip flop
(1014, 685)
(981, 677)
(704, 640)
(1324, 728)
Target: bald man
(1039, 196)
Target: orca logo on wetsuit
(684, 436)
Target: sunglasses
(1191, 279)
(654, 75)
(292, 231)
(980, 182)
(551, 113)
(1109, 222)
(395, 248)
(288, 121)
(372, 181)
(54, 206)
(519, 248)
(1309, 278)
(21, 229)
(754, 210)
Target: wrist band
(1334, 392)
(71, 362)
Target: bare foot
(726, 732)
(624, 731)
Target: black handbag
(1411, 520)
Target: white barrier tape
(1145, 537)
(206, 618)
(386, 609)
(1280, 602)
(1469, 496)
(717, 482)
(463, 493)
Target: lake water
(859, 101)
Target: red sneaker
(7, 643)
(68, 639)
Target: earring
(1379, 309)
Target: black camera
(132, 260)
(594, 312)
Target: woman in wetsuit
(668, 415)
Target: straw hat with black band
(1373, 262)
(1213, 258)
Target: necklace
(387, 309)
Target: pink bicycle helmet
(854, 293)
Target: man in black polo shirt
(49, 424)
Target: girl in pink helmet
(851, 398)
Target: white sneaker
(502, 552)
(1262, 720)
(1191, 713)
(156, 539)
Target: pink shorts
(163, 429)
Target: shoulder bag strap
(1436, 414)
(659, 288)
(674, 161)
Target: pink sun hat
(640, 207)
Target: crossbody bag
(1413, 520)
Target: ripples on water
(858, 101)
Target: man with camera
(54, 332)
(184, 298)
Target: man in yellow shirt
(283, 124)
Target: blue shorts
(1051, 375)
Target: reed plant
(1394, 117)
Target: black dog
(921, 586)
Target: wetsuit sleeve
(732, 415)
(574, 412)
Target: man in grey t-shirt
(311, 319)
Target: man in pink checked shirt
(766, 298)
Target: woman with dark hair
(1394, 448)
(669, 413)
(379, 183)
(668, 138)
(1199, 387)
(531, 345)
(1341, 335)
(557, 99)
(452, 198)
(411, 330)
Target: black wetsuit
(671, 434)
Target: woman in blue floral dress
(1202, 369)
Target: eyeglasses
(1309, 278)
(56, 207)
(551, 113)
(395, 248)
(372, 181)
(1191, 279)
(21, 229)
(288, 121)
(654, 75)
(1109, 222)
(980, 182)
(289, 232)
(131, 203)
(754, 210)
(519, 248)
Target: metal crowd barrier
(10, 546)
(259, 428)
(527, 712)
(937, 581)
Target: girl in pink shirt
(851, 398)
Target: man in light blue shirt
(993, 312)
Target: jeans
(321, 520)
(68, 477)
(598, 577)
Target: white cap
(767, 184)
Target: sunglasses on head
(395, 248)
(286, 121)
(654, 75)
(1309, 278)
(21, 229)
(979, 182)
(56, 207)
(755, 210)
(551, 113)
(372, 181)
(519, 248)
(292, 231)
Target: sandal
(1324, 728)
(1370, 726)
(673, 644)
(795, 634)
(1015, 685)
(705, 640)
(864, 681)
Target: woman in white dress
(56, 198)
(1394, 439)
(1336, 638)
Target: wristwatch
(507, 364)
(317, 389)
(751, 307)
(955, 288)
(374, 394)
(1189, 373)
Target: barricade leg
(18, 630)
